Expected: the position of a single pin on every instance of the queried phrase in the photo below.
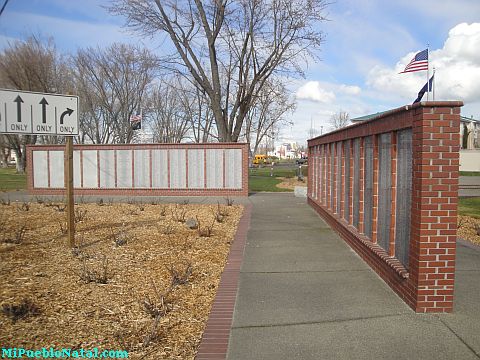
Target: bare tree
(339, 120)
(231, 48)
(32, 65)
(5, 151)
(166, 113)
(113, 83)
(198, 112)
(267, 114)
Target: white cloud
(350, 89)
(314, 92)
(457, 69)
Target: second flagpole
(428, 70)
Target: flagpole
(428, 70)
(433, 84)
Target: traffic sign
(23, 112)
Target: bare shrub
(63, 227)
(39, 201)
(80, 215)
(180, 275)
(220, 213)
(207, 230)
(122, 237)
(21, 310)
(165, 229)
(96, 273)
(24, 207)
(5, 202)
(17, 236)
(178, 213)
(59, 207)
(163, 210)
(229, 201)
(100, 202)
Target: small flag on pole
(418, 63)
(136, 121)
(427, 86)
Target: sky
(367, 43)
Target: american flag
(418, 63)
(136, 121)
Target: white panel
(40, 171)
(142, 168)
(233, 168)
(90, 170)
(214, 168)
(107, 169)
(196, 163)
(124, 168)
(76, 169)
(159, 168)
(178, 172)
(56, 169)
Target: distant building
(472, 139)
(286, 150)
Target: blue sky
(367, 42)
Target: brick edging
(214, 343)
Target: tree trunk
(21, 160)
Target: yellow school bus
(259, 159)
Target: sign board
(23, 112)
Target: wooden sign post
(25, 112)
(69, 190)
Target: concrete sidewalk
(304, 294)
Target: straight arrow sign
(19, 102)
(24, 112)
(44, 104)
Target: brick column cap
(323, 139)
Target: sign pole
(69, 190)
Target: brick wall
(412, 246)
(210, 169)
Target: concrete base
(300, 191)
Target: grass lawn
(264, 183)
(469, 207)
(469, 173)
(10, 180)
(261, 180)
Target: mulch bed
(140, 280)
(469, 228)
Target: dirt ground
(290, 183)
(140, 279)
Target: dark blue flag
(424, 89)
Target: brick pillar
(342, 185)
(327, 176)
(375, 189)
(324, 183)
(393, 208)
(434, 205)
(350, 199)
(361, 227)
(334, 174)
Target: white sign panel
(24, 112)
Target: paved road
(469, 186)
(304, 294)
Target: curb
(214, 343)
